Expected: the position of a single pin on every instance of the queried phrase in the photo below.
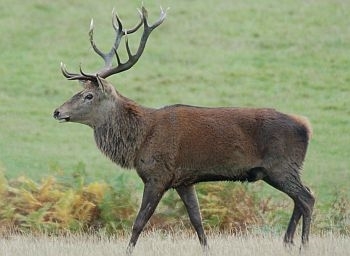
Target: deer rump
(195, 144)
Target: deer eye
(89, 96)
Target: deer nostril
(56, 113)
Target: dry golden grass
(156, 243)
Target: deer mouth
(63, 119)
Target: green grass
(290, 55)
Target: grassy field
(169, 244)
(289, 55)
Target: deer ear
(102, 83)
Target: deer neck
(119, 137)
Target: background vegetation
(289, 55)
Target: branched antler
(109, 69)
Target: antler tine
(114, 23)
(76, 76)
(118, 26)
(92, 42)
(64, 71)
(133, 58)
(87, 76)
(67, 74)
(159, 21)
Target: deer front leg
(189, 197)
(150, 199)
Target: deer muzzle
(57, 114)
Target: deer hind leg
(308, 201)
(293, 222)
(189, 197)
(289, 182)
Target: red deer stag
(178, 146)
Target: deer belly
(187, 177)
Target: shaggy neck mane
(119, 138)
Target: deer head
(90, 105)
